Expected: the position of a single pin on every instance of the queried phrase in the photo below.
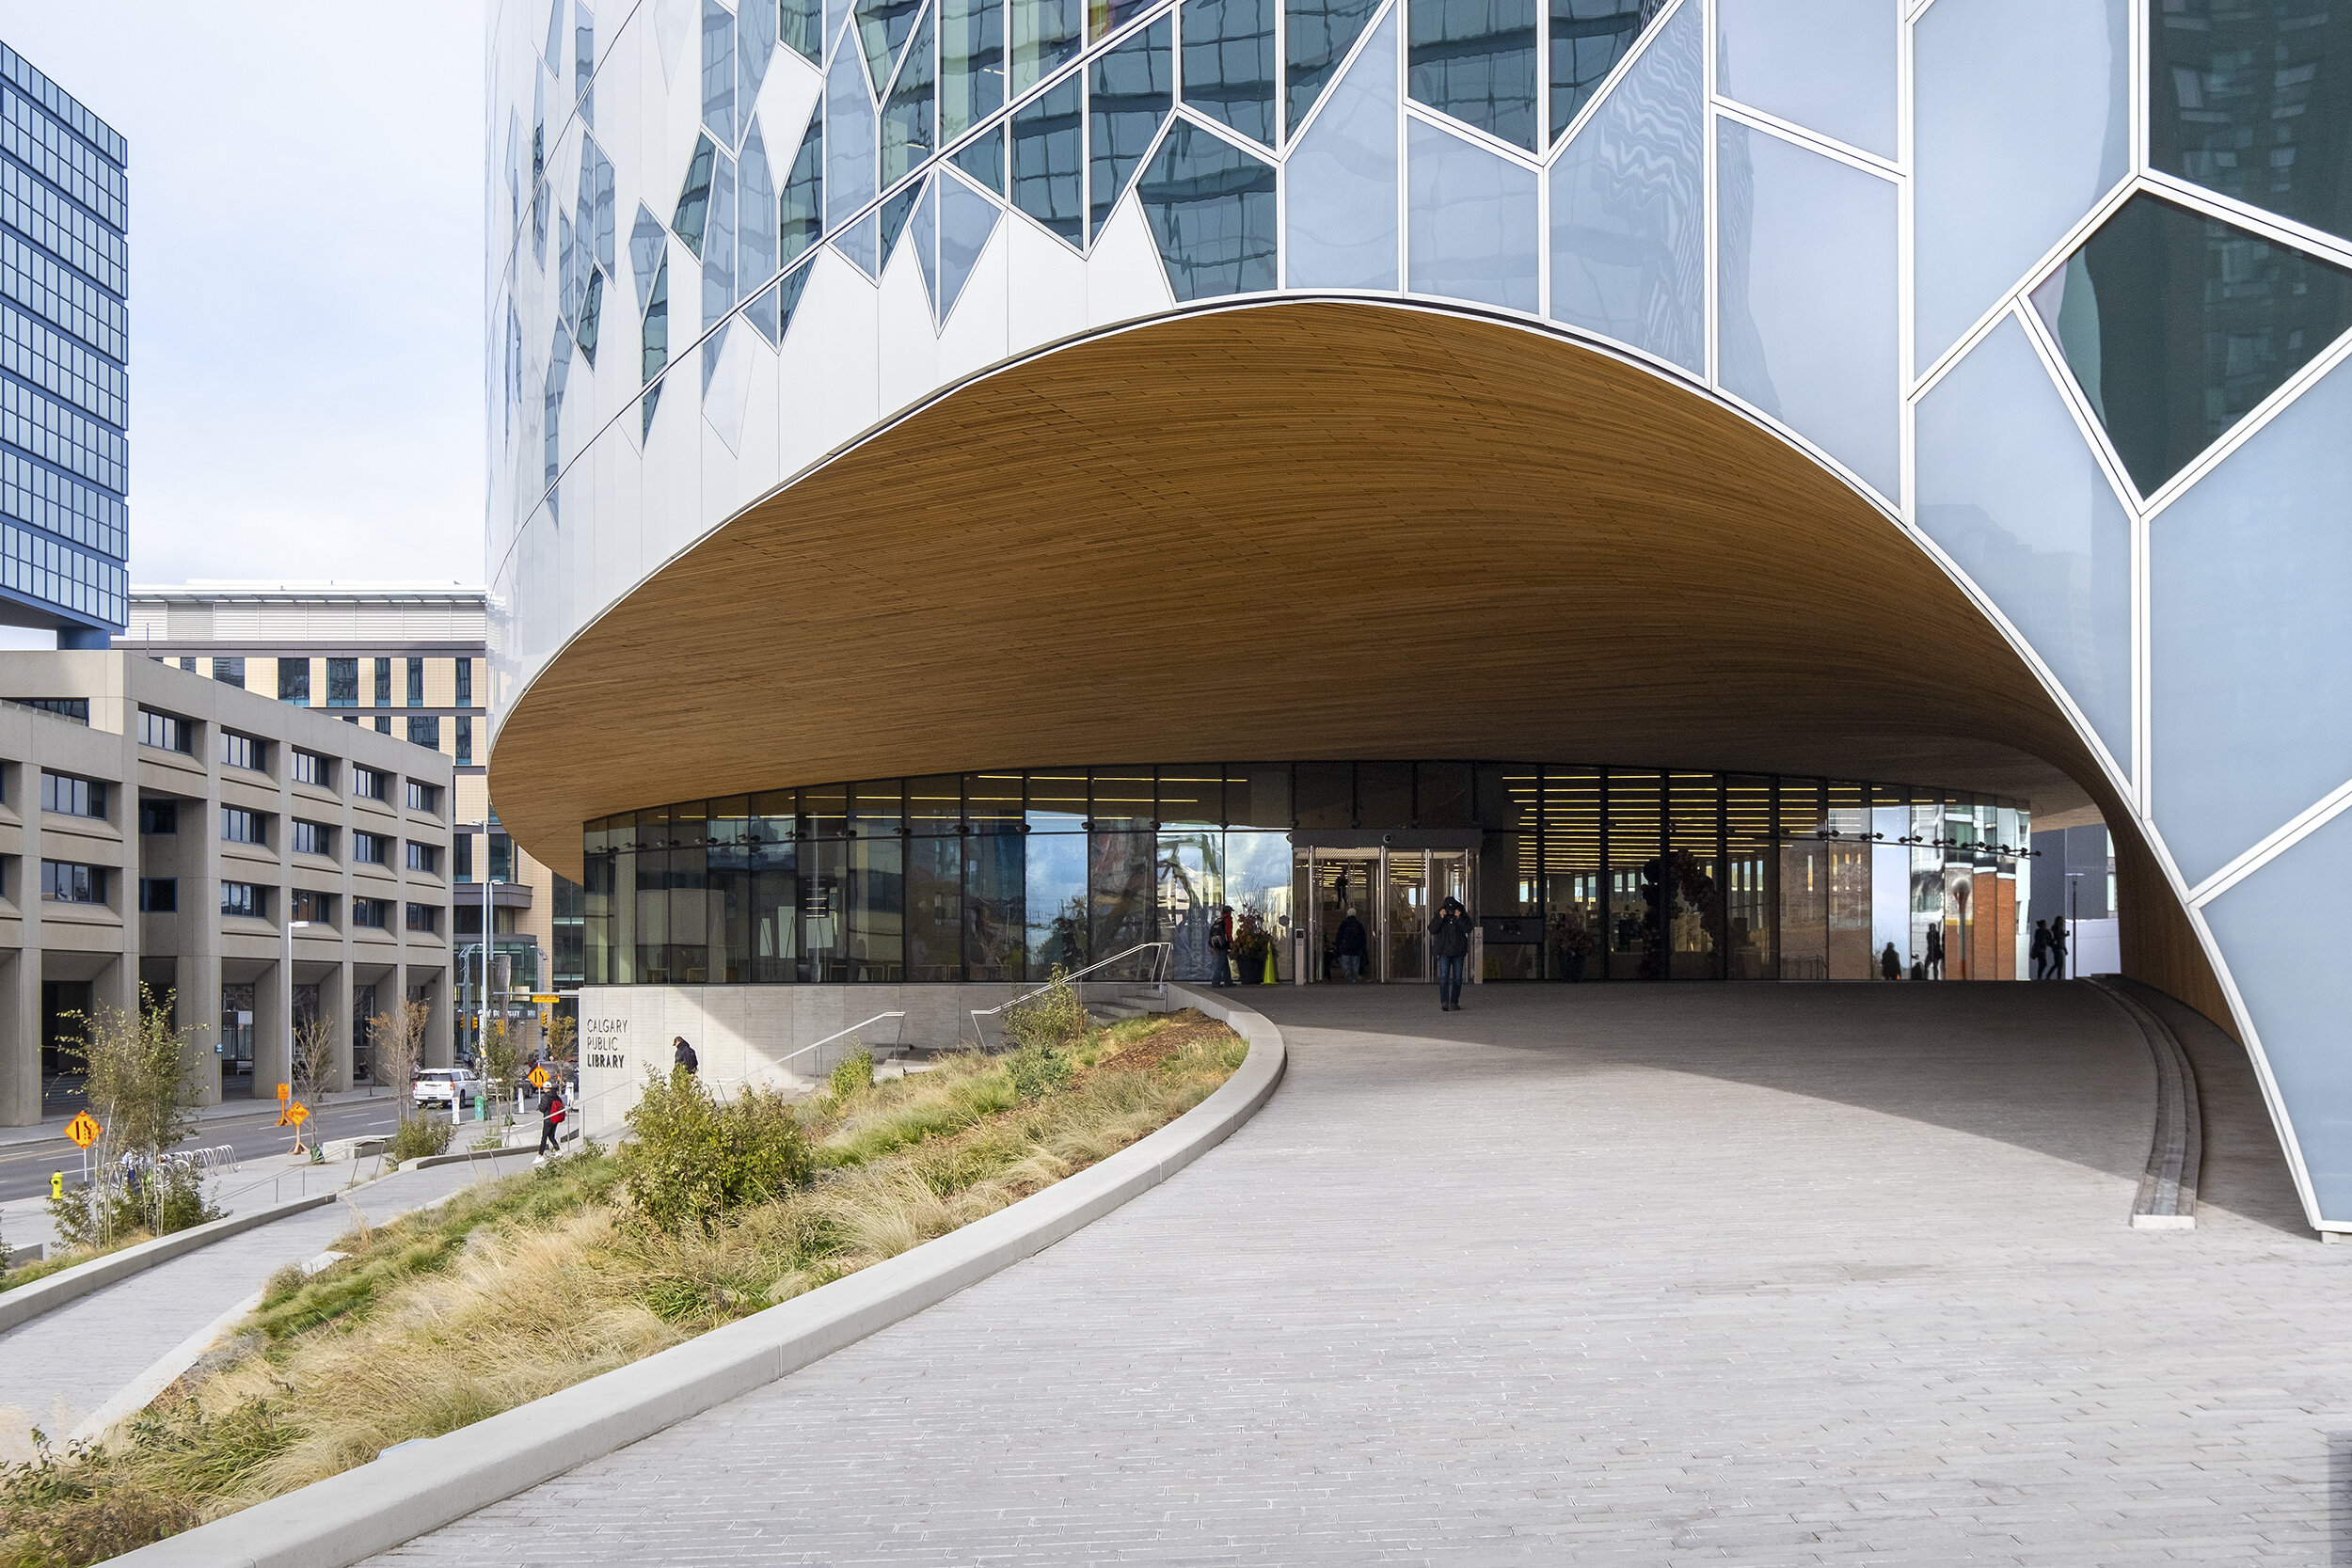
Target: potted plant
(1572, 940)
(1251, 944)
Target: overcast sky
(306, 263)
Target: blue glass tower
(64, 361)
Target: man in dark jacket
(1449, 939)
(550, 1121)
(682, 1054)
(1348, 943)
(1220, 945)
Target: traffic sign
(84, 1130)
(294, 1115)
(538, 1078)
(285, 1092)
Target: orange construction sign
(285, 1092)
(294, 1115)
(84, 1130)
(538, 1078)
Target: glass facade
(65, 349)
(1573, 872)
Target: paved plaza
(1611, 1275)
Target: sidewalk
(53, 1127)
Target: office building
(1575, 437)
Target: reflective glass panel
(882, 29)
(1572, 875)
(1749, 857)
(694, 198)
(861, 244)
(718, 244)
(894, 214)
(1693, 896)
(967, 219)
(877, 806)
(1228, 64)
(992, 802)
(1211, 207)
(801, 209)
(1384, 794)
(1319, 35)
(1191, 883)
(1636, 877)
(1045, 34)
(923, 233)
(2254, 100)
(2012, 143)
(1326, 794)
(935, 804)
(1123, 798)
(983, 159)
(1441, 794)
(1056, 917)
(1258, 878)
(910, 131)
(1803, 872)
(1587, 39)
(934, 909)
(2041, 530)
(656, 331)
(1628, 223)
(1806, 269)
(1472, 229)
(1193, 795)
(1057, 802)
(1343, 179)
(798, 22)
(1475, 60)
(645, 247)
(971, 64)
(2248, 626)
(719, 71)
(1047, 138)
(1258, 795)
(1827, 64)
(755, 235)
(849, 140)
(1131, 87)
(994, 935)
(2176, 326)
(754, 45)
(1122, 889)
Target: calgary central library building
(1703, 481)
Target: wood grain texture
(1296, 530)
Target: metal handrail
(1164, 955)
(897, 1013)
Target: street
(24, 1169)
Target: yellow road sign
(84, 1130)
(285, 1092)
(294, 1115)
(538, 1078)
(545, 1000)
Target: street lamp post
(286, 985)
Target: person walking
(2058, 948)
(1890, 964)
(1351, 947)
(1449, 939)
(682, 1055)
(2040, 949)
(1935, 952)
(1220, 945)
(550, 1122)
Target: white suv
(446, 1085)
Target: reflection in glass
(1749, 854)
(2041, 530)
(860, 245)
(1405, 914)
(967, 219)
(1695, 902)
(719, 71)
(1122, 881)
(799, 24)
(1191, 796)
(1326, 794)
(646, 248)
(1574, 916)
(1228, 64)
(1319, 35)
(934, 909)
(983, 159)
(992, 802)
(923, 233)
(1804, 872)
(1131, 89)
(883, 28)
(756, 240)
(654, 338)
(1806, 268)
(1384, 792)
(567, 272)
(1258, 876)
(2176, 325)
(1636, 882)
(1475, 60)
(910, 124)
(754, 45)
(1211, 208)
(1191, 884)
(993, 939)
(894, 214)
(1343, 229)
(1055, 875)
(1588, 39)
(2256, 102)
(718, 246)
(1047, 138)
(694, 198)
(559, 374)
(1472, 230)
(590, 310)
(2010, 145)
(1628, 223)
(1045, 34)
(1258, 795)
(802, 208)
(1827, 64)
(2248, 626)
(971, 64)
(1441, 794)
(850, 136)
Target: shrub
(853, 1074)
(1037, 1070)
(1054, 1016)
(423, 1135)
(171, 1199)
(694, 1161)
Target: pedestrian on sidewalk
(2058, 948)
(1449, 939)
(550, 1123)
(2040, 948)
(682, 1055)
(1220, 945)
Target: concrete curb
(419, 1487)
(28, 1302)
(464, 1157)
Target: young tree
(140, 1088)
(501, 1060)
(396, 1041)
(313, 1060)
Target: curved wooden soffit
(1301, 530)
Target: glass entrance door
(1404, 944)
(1343, 939)
(1369, 910)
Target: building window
(159, 895)
(465, 742)
(316, 908)
(416, 683)
(383, 683)
(464, 683)
(313, 838)
(423, 797)
(248, 899)
(242, 750)
(165, 733)
(461, 858)
(383, 726)
(75, 708)
(230, 672)
(369, 912)
(73, 797)
(188, 664)
(65, 882)
(370, 848)
(501, 857)
(424, 917)
(294, 681)
(423, 857)
(311, 768)
(159, 817)
(425, 733)
(369, 784)
(342, 683)
(239, 826)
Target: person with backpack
(1449, 939)
(1220, 945)
(551, 1110)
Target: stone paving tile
(66, 1363)
(1676, 1274)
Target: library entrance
(1369, 904)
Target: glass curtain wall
(1581, 874)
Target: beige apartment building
(250, 862)
(408, 660)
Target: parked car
(446, 1085)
